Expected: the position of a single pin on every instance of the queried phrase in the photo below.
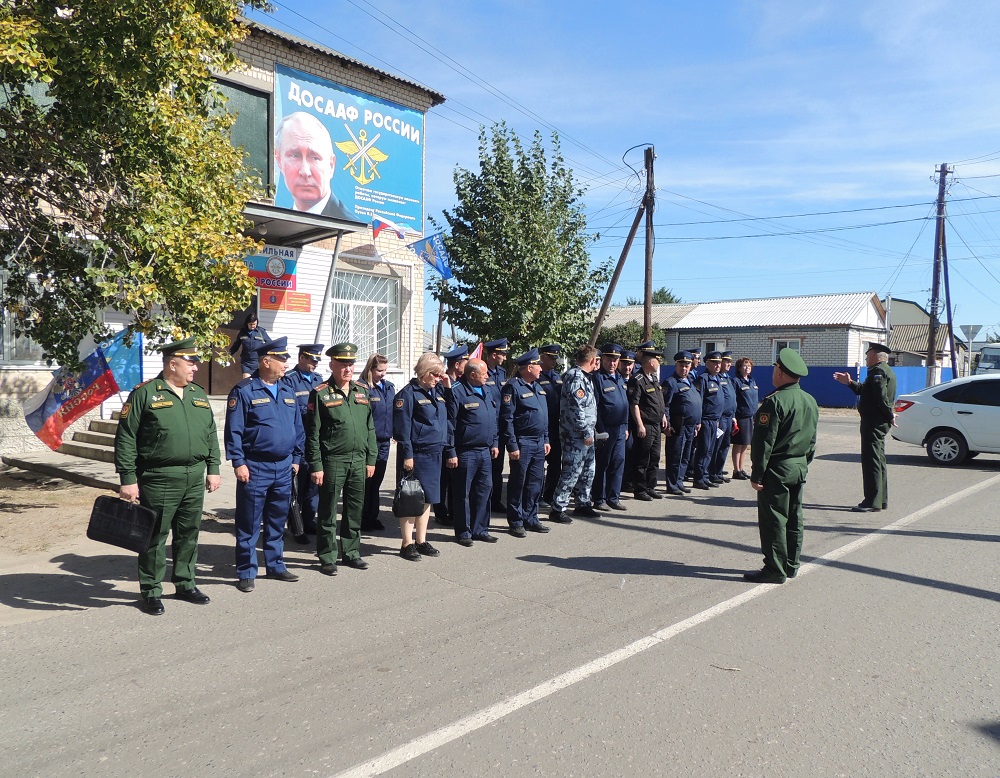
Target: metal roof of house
(436, 97)
(807, 311)
(664, 316)
(912, 338)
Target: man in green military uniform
(877, 397)
(784, 441)
(341, 450)
(166, 441)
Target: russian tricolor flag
(379, 224)
(69, 396)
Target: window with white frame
(712, 345)
(795, 344)
(365, 311)
(15, 349)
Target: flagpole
(440, 316)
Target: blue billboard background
(378, 146)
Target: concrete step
(94, 438)
(104, 426)
(86, 451)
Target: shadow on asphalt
(991, 465)
(635, 566)
(82, 582)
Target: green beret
(790, 361)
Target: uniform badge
(232, 402)
(507, 398)
(764, 418)
(399, 403)
(580, 393)
(289, 401)
(125, 409)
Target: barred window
(365, 311)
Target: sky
(765, 117)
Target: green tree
(518, 246)
(629, 335)
(661, 296)
(121, 187)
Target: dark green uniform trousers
(342, 476)
(779, 519)
(873, 470)
(177, 494)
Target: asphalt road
(627, 645)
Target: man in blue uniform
(646, 420)
(472, 413)
(578, 429)
(696, 366)
(709, 386)
(717, 473)
(454, 361)
(612, 420)
(551, 381)
(302, 379)
(683, 408)
(524, 424)
(625, 365)
(265, 442)
(496, 355)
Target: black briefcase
(121, 523)
(295, 525)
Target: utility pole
(936, 280)
(649, 201)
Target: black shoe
(245, 585)
(518, 532)
(195, 596)
(328, 569)
(764, 576)
(356, 562)
(302, 539)
(284, 575)
(152, 606)
(655, 494)
(410, 553)
(701, 485)
(686, 489)
(464, 541)
(426, 549)
(644, 496)
(372, 526)
(717, 480)
(676, 492)
(484, 538)
(539, 528)
(713, 485)
(793, 572)
(560, 517)
(617, 506)
(587, 511)
(862, 508)
(739, 475)
(598, 506)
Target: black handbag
(295, 525)
(409, 497)
(122, 523)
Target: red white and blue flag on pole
(432, 251)
(69, 396)
(379, 224)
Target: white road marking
(480, 719)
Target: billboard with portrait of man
(343, 153)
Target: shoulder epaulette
(321, 387)
(147, 381)
(245, 382)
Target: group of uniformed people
(452, 425)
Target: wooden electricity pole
(647, 306)
(939, 243)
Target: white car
(955, 420)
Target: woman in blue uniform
(250, 337)
(747, 400)
(381, 394)
(420, 428)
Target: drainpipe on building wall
(329, 285)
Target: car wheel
(947, 447)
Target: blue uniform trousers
(524, 486)
(609, 466)
(704, 450)
(577, 476)
(471, 487)
(308, 494)
(678, 445)
(722, 449)
(262, 502)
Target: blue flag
(432, 251)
